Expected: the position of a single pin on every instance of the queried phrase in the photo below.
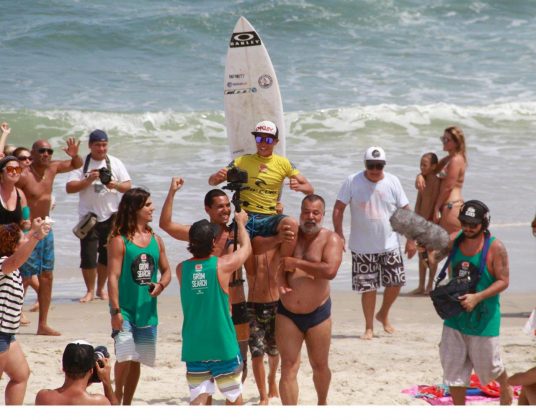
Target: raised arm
(301, 184)
(218, 177)
(72, 150)
(38, 231)
(174, 229)
(229, 263)
(5, 130)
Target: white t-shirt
(371, 205)
(97, 198)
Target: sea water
(352, 74)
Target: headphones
(482, 212)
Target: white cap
(375, 153)
(266, 127)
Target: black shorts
(95, 242)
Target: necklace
(41, 177)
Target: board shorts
(41, 259)
(5, 341)
(262, 329)
(369, 271)
(94, 243)
(461, 353)
(263, 224)
(304, 322)
(135, 344)
(202, 377)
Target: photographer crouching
(83, 365)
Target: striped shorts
(226, 373)
(136, 344)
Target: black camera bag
(445, 297)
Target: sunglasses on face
(444, 139)
(470, 225)
(21, 158)
(267, 140)
(13, 169)
(376, 166)
(44, 150)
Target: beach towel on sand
(476, 393)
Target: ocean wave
(192, 127)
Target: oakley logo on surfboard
(244, 39)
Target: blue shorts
(263, 224)
(42, 258)
(5, 341)
(226, 373)
(136, 344)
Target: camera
(105, 175)
(101, 352)
(237, 176)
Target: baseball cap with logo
(375, 154)
(266, 127)
(475, 211)
(98, 135)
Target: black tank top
(11, 216)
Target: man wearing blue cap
(101, 183)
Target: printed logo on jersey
(244, 39)
(142, 269)
(199, 281)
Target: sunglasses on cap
(267, 140)
(13, 169)
(377, 166)
(43, 150)
(21, 158)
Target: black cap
(475, 211)
(98, 135)
(202, 232)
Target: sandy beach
(364, 372)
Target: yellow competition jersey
(265, 180)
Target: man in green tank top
(470, 340)
(209, 345)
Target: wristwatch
(115, 311)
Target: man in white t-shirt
(101, 183)
(374, 195)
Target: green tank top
(485, 319)
(208, 332)
(140, 266)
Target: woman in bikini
(451, 172)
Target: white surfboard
(251, 91)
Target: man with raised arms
(37, 185)
(304, 312)
(218, 208)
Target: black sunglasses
(471, 225)
(44, 150)
(267, 140)
(377, 166)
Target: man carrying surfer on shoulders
(266, 173)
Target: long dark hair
(125, 220)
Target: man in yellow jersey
(266, 173)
